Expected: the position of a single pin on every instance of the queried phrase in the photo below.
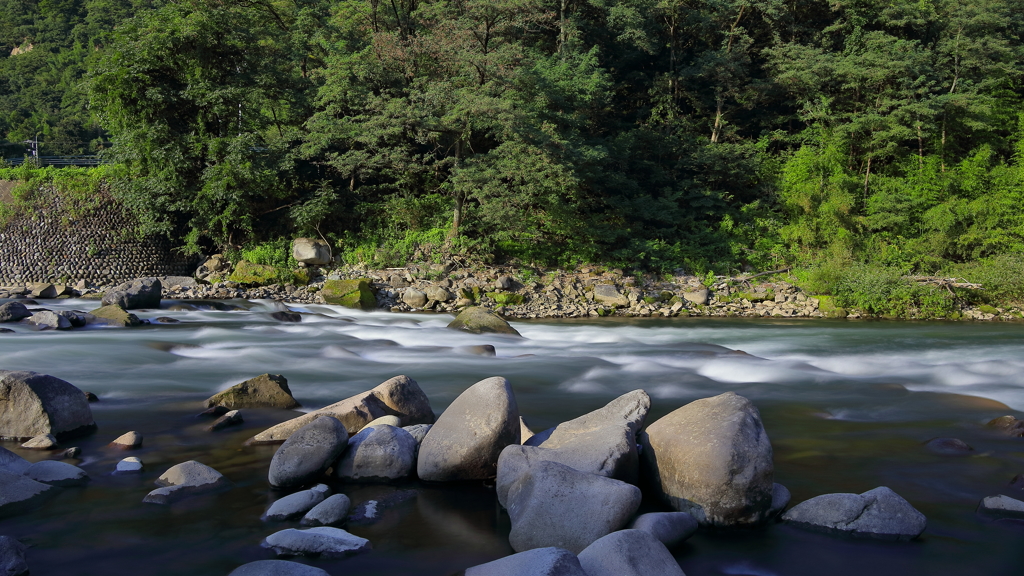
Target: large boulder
(479, 320)
(629, 553)
(555, 505)
(252, 274)
(536, 562)
(713, 460)
(11, 462)
(36, 404)
(399, 396)
(380, 453)
(141, 293)
(311, 251)
(277, 568)
(414, 298)
(322, 541)
(466, 440)
(609, 294)
(308, 453)
(13, 312)
(189, 478)
(19, 493)
(47, 320)
(354, 293)
(115, 315)
(12, 557)
(263, 391)
(878, 513)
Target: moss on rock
(478, 320)
(116, 315)
(355, 293)
(246, 272)
(506, 298)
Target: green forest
(880, 137)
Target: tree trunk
(716, 131)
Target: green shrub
(275, 253)
(1001, 277)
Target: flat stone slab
(322, 541)
(19, 493)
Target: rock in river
(479, 320)
(333, 510)
(297, 504)
(38, 404)
(19, 493)
(554, 505)
(263, 391)
(670, 528)
(141, 293)
(379, 453)
(11, 462)
(536, 562)
(466, 440)
(57, 473)
(13, 312)
(186, 479)
(12, 557)
(46, 320)
(308, 453)
(322, 541)
(629, 553)
(712, 459)
(1001, 506)
(128, 441)
(277, 568)
(878, 513)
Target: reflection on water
(848, 406)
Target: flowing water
(848, 406)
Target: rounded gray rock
(333, 510)
(479, 320)
(322, 541)
(13, 312)
(57, 473)
(308, 453)
(536, 562)
(466, 440)
(38, 404)
(1001, 506)
(377, 454)
(11, 462)
(12, 557)
(128, 441)
(186, 479)
(670, 528)
(712, 459)
(414, 298)
(295, 505)
(878, 513)
(46, 320)
(555, 505)
(130, 465)
(141, 293)
(277, 568)
(629, 553)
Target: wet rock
(13, 312)
(380, 453)
(76, 319)
(308, 453)
(713, 460)
(669, 528)
(399, 396)
(354, 293)
(129, 465)
(114, 315)
(42, 290)
(414, 298)
(73, 452)
(263, 391)
(480, 320)
(46, 320)
(610, 295)
(128, 441)
(780, 499)
(536, 562)
(19, 493)
(215, 412)
(555, 505)
(384, 420)
(232, 418)
(1017, 481)
(167, 320)
(311, 251)
(466, 440)
(7, 331)
(333, 510)
(296, 505)
(277, 568)
(141, 293)
(41, 442)
(878, 513)
(949, 446)
(1001, 506)
(629, 553)
(1008, 425)
(90, 397)
(12, 557)
(57, 473)
(186, 479)
(322, 541)
(11, 462)
(282, 316)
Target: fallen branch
(945, 282)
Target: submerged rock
(399, 396)
(712, 459)
(19, 493)
(114, 315)
(57, 473)
(878, 513)
(277, 568)
(629, 553)
(12, 557)
(1008, 425)
(480, 320)
(263, 391)
(322, 541)
(37, 404)
(466, 440)
(949, 446)
(186, 479)
(537, 562)
(41, 442)
(130, 465)
(308, 453)
(231, 418)
(333, 510)
(555, 505)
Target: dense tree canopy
(656, 133)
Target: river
(848, 406)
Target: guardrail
(58, 161)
